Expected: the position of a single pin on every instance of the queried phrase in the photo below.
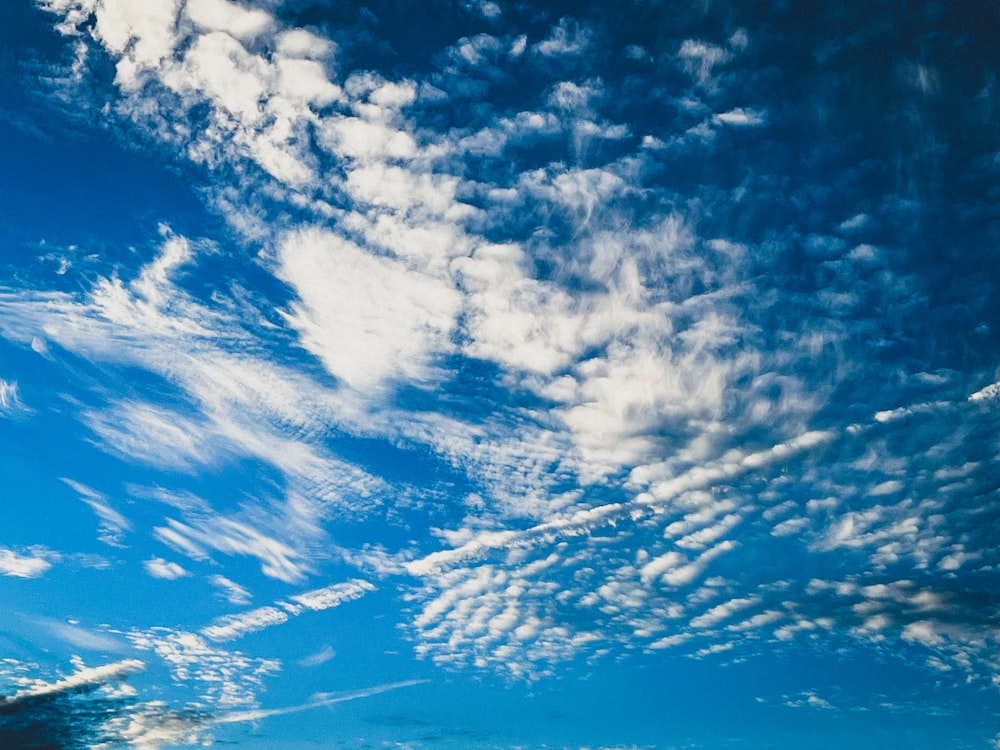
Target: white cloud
(639, 341)
(157, 436)
(701, 58)
(922, 631)
(233, 592)
(236, 626)
(318, 700)
(790, 527)
(740, 117)
(233, 537)
(364, 139)
(140, 34)
(330, 596)
(221, 68)
(32, 565)
(225, 679)
(809, 699)
(990, 392)
(721, 612)
(82, 678)
(220, 15)
(160, 568)
(152, 725)
(9, 400)
(888, 487)
(567, 38)
(573, 97)
(242, 403)
(81, 637)
(368, 319)
(113, 524)
(303, 44)
(317, 658)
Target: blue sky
(476, 374)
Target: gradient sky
(484, 375)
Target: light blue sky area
(493, 375)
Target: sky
(488, 374)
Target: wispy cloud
(322, 656)
(237, 625)
(319, 700)
(9, 399)
(87, 678)
(113, 525)
(73, 633)
(234, 593)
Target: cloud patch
(34, 564)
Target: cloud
(81, 637)
(226, 683)
(17, 565)
(319, 657)
(152, 725)
(234, 593)
(368, 319)
(319, 700)
(485, 601)
(221, 679)
(160, 568)
(78, 681)
(740, 117)
(334, 595)
(568, 37)
(113, 525)
(988, 393)
(232, 537)
(9, 400)
(220, 15)
(808, 699)
(55, 715)
(151, 434)
(234, 626)
(643, 364)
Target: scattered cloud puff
(34, 564)
(222, 679)
(700, 59)
(160, 568)
(568, 37)
(988, 393)
(741, 117)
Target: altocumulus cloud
(582, 341)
